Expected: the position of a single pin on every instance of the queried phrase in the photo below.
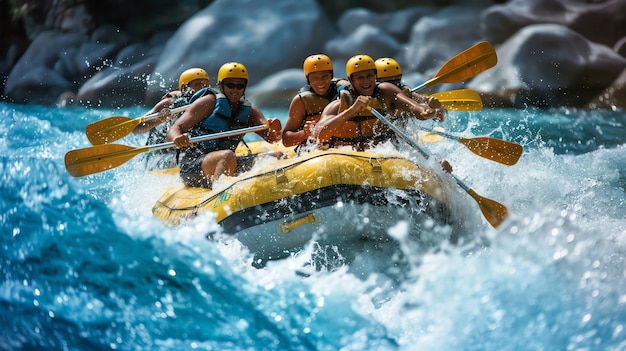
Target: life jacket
(314, 103)
(364, 128)
(221, 120)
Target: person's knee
(219, 162)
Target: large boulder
(438, 37)
(366, 39)
(277, 90)
(54, 63)
(397, 24)
(266, 36)
(549, 65)
(599, 21)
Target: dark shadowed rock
(613, 97)
(117, 86)
(54, 63)
(549, 65)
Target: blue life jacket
(221, 120)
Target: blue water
(86, 267)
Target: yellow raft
(332, 196)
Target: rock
(266, 37)
(117, 86)
(277, 90)
(548, 65)
(397, 24)
(438, 37)
(599, 21)
(551, 52)
(33, 79)
(620, 47)
(365, 39)
(613, 97)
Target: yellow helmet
(359, 63)
(191, 74)
(317, 63)
(388, 69)
(232, 70)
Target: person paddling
(213, 111)
(348, 121)
(306, 107)
(389, 70)
(189, 82)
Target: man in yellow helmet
(189, 82)
(389, 70)
(306, 107)
(348, 121)
(215, 111)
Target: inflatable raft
(335, 197)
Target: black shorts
(191, 169)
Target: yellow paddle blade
(466, 64)
(497, 150)
(495, 213)
(111, 129)
(99, 158)
(460, 100)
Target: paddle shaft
(103, 157)
(114, 128)
(493, 211)
(219, 135)
(137, 121)
(156, 114)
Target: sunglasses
(235, 85)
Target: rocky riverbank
(551, 52)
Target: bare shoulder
(389, 87)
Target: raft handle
(281, 176)
(376, 165)
(289, 226)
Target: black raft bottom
(411, 202)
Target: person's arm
(292, 134)
(332, 120)
(163, 107)
(395, 99)
(273, 133)
(198, 110)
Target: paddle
(100, 158)
(497, 150)
(466, 64)
(460, 100)
(114, 128)
(494, 212)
